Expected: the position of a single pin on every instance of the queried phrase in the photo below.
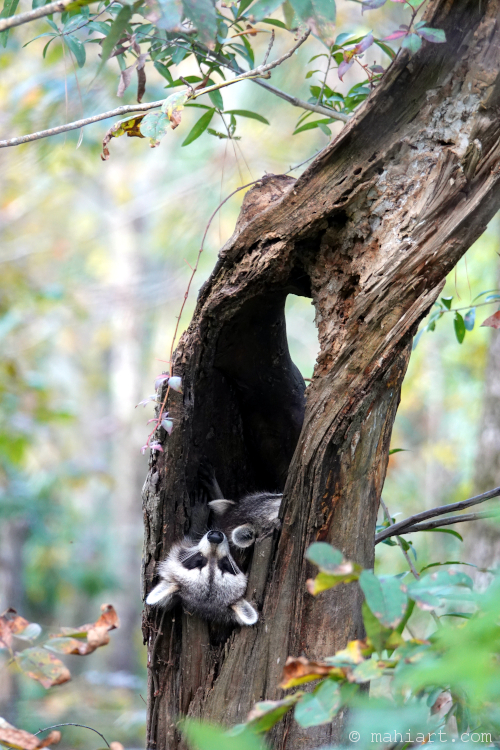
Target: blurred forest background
(93, 268)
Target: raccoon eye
(225, 566)
(195, 561)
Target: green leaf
(263, 8)
(347, 572)
(47, 33)
(459, 326)
(171, 14)
(444, 531)
(9, 8)
(366, 671)
(488, 291)
(432, 35)
(199, 127)
(384, 597)
(247, 113)
(154, 126)
(274, 22)
(243, 6)
(470, 319)
(216, 99)
(319, 707)
(311, 125)
(203, 736)
(115, 33)
(399, 450)
(202, 14)
(77, 48)
(326, 557)
(165, 72)
(412, 43)
(446, 302)
(441, 583)
(385, 48)
(266, 714)
(324, 15)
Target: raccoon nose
(215, 537)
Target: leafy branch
(177, 100)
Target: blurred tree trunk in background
(482, 543)
(13, 535)
(369, 232)
(125, 387)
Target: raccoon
(206, 579)
(254, 516)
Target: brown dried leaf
(298, 670)
(10, 624)
(41, 665)
(141, 76)
(493, 321)
(125, 78)
(70, 645)
(18, 739)
(130, 126)
(53, 738)
(98, 633)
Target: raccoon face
(252, 517)
(206, 579)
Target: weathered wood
(369, 231)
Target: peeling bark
(369, 231)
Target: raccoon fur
(254, 516)
(206, 579)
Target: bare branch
(83, 726)
(125, 109)
(261, 70)
(30, 15)
(402, 526)
(271, 42)
(447, 522)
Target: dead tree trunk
(369, 231)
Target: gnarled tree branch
(403, 527)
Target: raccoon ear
(245, 613)
(219, 507)
(163, 594)
(243, 536)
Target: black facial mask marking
(195, 561)
(225, 566)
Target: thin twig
(261, 70)
(320, 95)
(468, 307)
(269, 48)
(70, 724)
(450, 521)
(433, 512)
(30, 15)
(123, 110)
(293, 100)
